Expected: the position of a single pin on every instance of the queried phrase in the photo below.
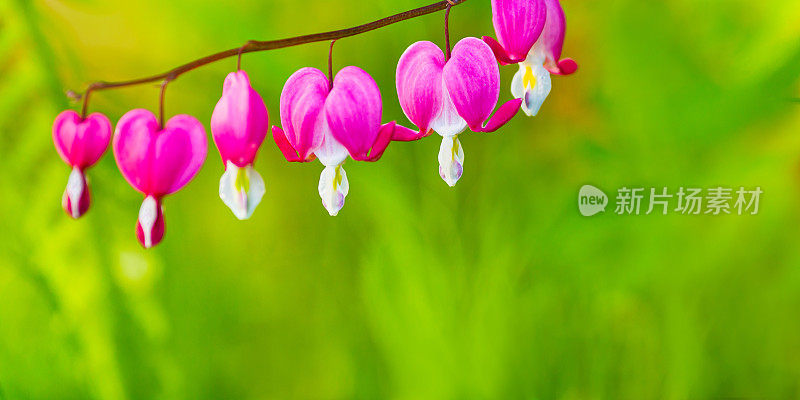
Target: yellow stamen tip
(528, 79)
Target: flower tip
(451, 160)
(450, 180)
(150, 225)
(567, 66)
(76, 200)
(333, 188)
(332, 211)
(241, 189)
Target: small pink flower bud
(239, 124)
(80, 142)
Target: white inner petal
(448, 122)
(516, 83)
(148, 213)
(333, 188)
(330, 152)
(75, 185)
(532, 83)
(241, 189)
(451, 160)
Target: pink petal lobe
(240, 121)
(502, 115)
(353, 111)
(419, 83)
(552, 40)
(472, 78)
(499, 52)
(565, 66)
(384, 138)
(81, 142)
(518, 24)
(159, 162)
(183, 138)
(403, 134)
(286, 148)
(302, 101)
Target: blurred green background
(495, 289)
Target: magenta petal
(472, 79)
(353, 111)
(419, 83)
(240, 121)
(302, 100)
(499, 52)
(403, 134)
(382, 142)
(552, 40)
(565, 66)
(159, 162)
(518, 24)
(81, 142)
(502, 115)
(133, 137)
(286, 148)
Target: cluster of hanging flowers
(324, 117)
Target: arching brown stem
(254, 45)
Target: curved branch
(254, 45)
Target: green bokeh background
(495, 289)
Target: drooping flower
(449, 95)
(514, 23)
(239, 124)
(157, 162)
(80, 142)
(332, 123)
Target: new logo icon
(591, 200)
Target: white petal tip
(451, 160)
(241, 189)
(531, 112)
(148, 216)
(333, 188)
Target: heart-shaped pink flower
(447, 96)
(157, 162)
(332, 123)
(80, 142)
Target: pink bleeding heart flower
(80, 142)
(448, 95)
(239, 125)
(157, 162)
(512, 19)
(333, 123)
